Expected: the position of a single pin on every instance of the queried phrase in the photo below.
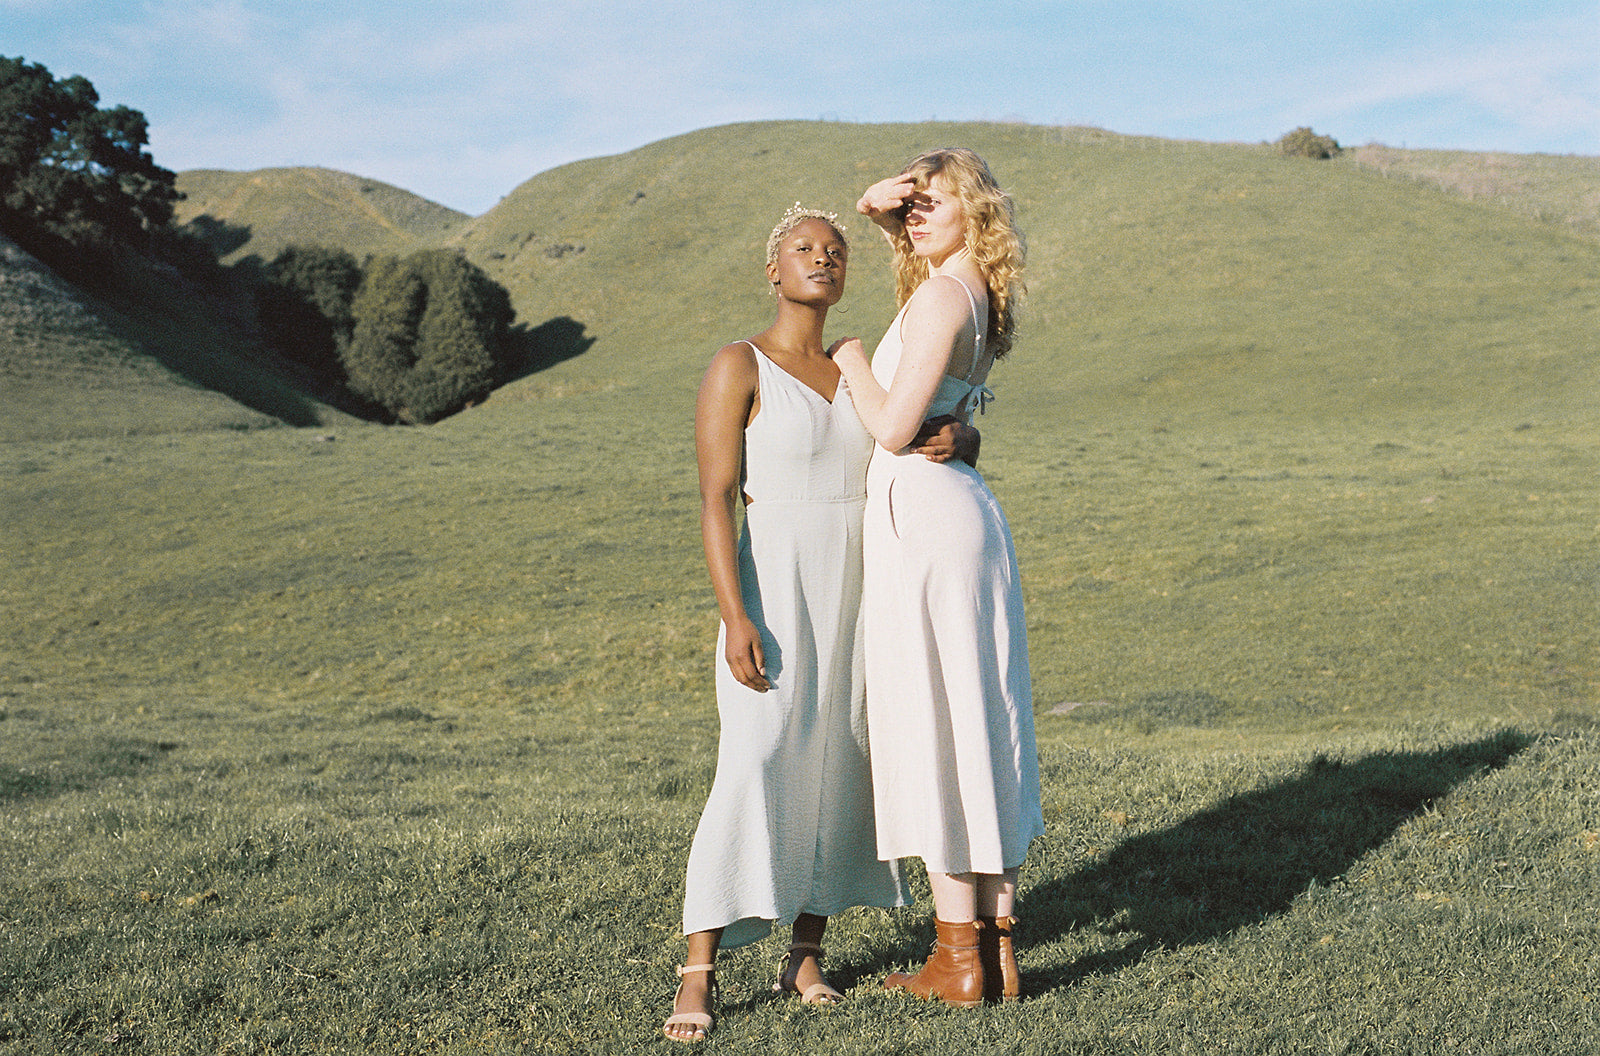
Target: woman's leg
(996, 898)
(955, 896)
(954, 973)
(804, 965)
(996, 893)
(959, 900)
(804, 968)
(694, 988)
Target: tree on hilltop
(75, 178)
(429, 334)
(1304, 143)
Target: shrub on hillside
(304, 305)
(429, 335)
(75, 180)
(1304, 143)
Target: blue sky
(462, 100)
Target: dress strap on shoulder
(972, 298)
(977, 326)
(764, 363)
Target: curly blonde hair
(991, 233)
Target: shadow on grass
(1247, 858)
(79, 763)
(195, 321)
(540, 347)
(219, 236)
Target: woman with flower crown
(787, 831)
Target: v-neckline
(796, 379)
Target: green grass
(395, 742)
(150, 353)
(1557, 189)
(1172, 284)
(355, 739)
(1179, 284)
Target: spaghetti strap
(981, 395)
(977, 326)
(957, 393)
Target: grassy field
(354, 739)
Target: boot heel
(1001, 980)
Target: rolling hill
(258, 213)
(164, 356)
(1172, 284)
(401, 738)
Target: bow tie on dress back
(979, 399)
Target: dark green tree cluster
(304, 305)
(420, 336)
(1304, 143)
(75, 179)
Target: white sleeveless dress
(950, 701)
(788, 826)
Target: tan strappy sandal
(701, 1021)
(816, 993)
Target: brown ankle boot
(954, 974)
(1001, 980)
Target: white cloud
(1539, 79)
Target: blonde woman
(787, 832)
(950, 702)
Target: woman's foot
(692, 1017)
(802, 974)
(954, 974)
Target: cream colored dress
(950, 702)
(788, 827)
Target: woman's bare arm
(723, 409)
(938, 315)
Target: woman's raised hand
(881, 203)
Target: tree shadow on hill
(1246, 859)
(219, 236)
(537, 348)
(194, 316)
(207, 350)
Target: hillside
(162, 355)
(1171, 282)
(162, 359)
(258, 213)
(1555, 188)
